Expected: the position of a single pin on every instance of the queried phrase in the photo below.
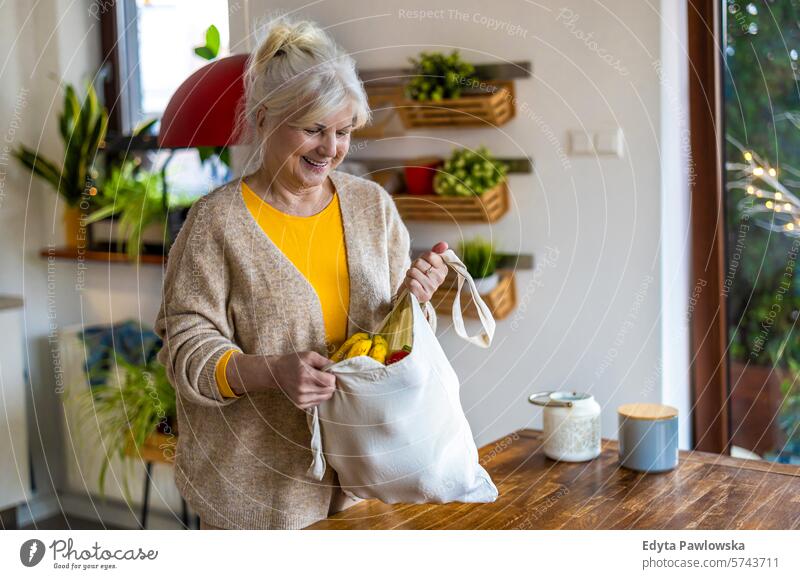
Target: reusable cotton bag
(398, 433)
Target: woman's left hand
(427, 273)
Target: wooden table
(706, 491)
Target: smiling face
(302, 156)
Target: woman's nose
(328, 145)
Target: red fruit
(396, 356)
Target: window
(149, 50)
(761, 114)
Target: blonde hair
(298, 66)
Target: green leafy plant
(135, 198)
(786, 361)
(439, 77)
(478, 255)
(128, 409)
(210, 50)
(469, 172)
(82, 126)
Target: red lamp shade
(202, 112)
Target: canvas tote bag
(398, 433)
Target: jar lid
(647, 411)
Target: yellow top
(315, 245)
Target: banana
(360, 348)
(399, 327)
(378, 351)
(344, 348)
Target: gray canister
(648, 437)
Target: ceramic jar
(648, 437)
(571, 425)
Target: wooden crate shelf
(501, 300)
(385, 120)
(485, 208)
(478, 110)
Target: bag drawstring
(317, 469)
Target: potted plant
(789, 417)
(444, 91)
(468, 173)
(130, 397)
(419, 174)
(82, 127)
(479, 257)
(438, 77)
(131, 209)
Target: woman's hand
(427, 273)
(298, 375)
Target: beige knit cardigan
(241, 462)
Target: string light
(759, 193)
(772, 172)
(790, 226)
(787, 206)
(748, 156)
(778, 195)
(758, 171)
(751, 189)
(769, 204)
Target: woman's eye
(342, 133)
(312, 131)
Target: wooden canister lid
(647, 411)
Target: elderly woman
(268, 276)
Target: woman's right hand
(298, 375)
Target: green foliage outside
(761, 107)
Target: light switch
(609, 142)
(580, 143)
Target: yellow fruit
(399, 326)
(378, 351)
(344, 348)
(360, 348)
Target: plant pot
(74, 232)
(105, 236)
(501, 300)
(483, 108)
(755, 398)
(419, 174)
(175, 220)
(486, 284)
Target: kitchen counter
(705, 491)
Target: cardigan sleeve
(399, 247)
(192, 320)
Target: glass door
(761, 114)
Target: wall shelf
(76, 254)
(516, 165)
(513, 261)
(491, 70)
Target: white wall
(590, 313)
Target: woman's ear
(261, 115)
